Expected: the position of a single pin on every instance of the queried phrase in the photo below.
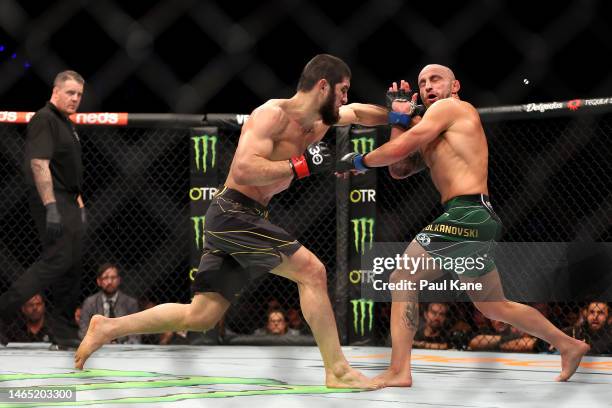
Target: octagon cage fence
(149, 178)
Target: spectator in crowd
(273, 304)
(35, 325)
(432, 335)
(460, 313)
(480, 323)
(276, 325)
(296, 322)
(109, 301)
(461, 330)
(504, 338)
(595, 328)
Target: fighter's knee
(316, 274)
(196, 320)
(492, 310)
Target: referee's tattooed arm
(42, 178)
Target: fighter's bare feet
(570, 359)
(97, 335)
(393, 378)
(349, 378)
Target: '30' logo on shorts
(423, 239)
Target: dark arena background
(169, 85)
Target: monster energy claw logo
(362, 311)
(363, 230)
(201, 151)
(198, 230)
(363, 145)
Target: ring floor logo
(363, 233)
(363, 145)
(138, 383)
(198, 230)
(203, 147)
(363, 311)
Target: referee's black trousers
(58, 268)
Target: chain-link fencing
(549, 182)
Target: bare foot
(570, 359)
(395, 379)
(350, 378)
(96, 336)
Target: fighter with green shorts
(468, 229)
(450, 141)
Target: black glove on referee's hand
(54, 222)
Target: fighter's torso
(458, 158)
(290, 139)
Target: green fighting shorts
(462, 240)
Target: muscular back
(458, 157)
(270, 137)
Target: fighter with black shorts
(240, 244)
(279, 143)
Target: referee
(54, 175)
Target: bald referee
(54, 175)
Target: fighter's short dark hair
(323, 66)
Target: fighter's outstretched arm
(363, 114)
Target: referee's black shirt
(51, 136)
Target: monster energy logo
(363, 230)
(200, 151)
(360, 307)
(363, 145)
(198, 230)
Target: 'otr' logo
(363, 231)
(198, 230)
(203, 147)
(363, 145)
(362, 311)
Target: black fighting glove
(400, 95)
(54, 222)
(399, 118)
(316, 159)
(351, 161)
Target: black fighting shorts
(240, 244)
